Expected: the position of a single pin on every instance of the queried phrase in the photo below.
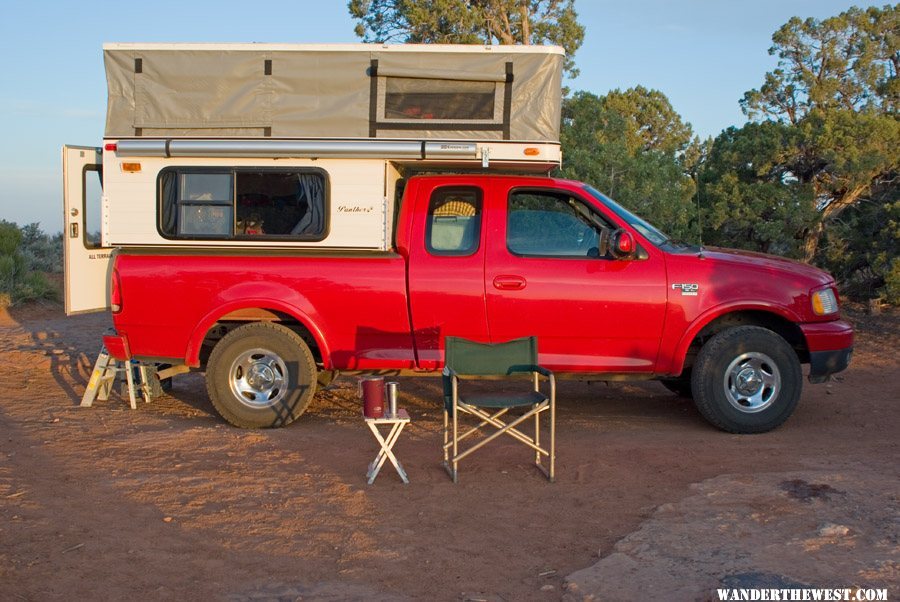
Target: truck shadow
(69, 352)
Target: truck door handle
(509, 283)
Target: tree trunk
(526, 25)
(811, 241)
(834, 208)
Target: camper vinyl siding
(356, 203)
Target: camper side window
(441, 100)
(243, 204)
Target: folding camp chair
(468, 358)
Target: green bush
(24, 256)
(891, 288)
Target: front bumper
(823, 364)
(830, 347)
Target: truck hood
(768, 263)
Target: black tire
(261, 375)
(746, 379)
(680, 386)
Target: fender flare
(714, 313)
(192, 353)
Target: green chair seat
(504, 400)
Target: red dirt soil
(169, 502)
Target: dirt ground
(169, 502)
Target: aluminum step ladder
(139, 379)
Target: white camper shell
(293, 147)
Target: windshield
(649, 231)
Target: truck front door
(545, 276)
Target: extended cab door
(86, 262)
(446, 263)
(544, 277)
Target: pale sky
(703, 54)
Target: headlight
(824, 302)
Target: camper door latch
(485, 157)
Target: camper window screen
(204, 206)
(243, 204)
(410, 99)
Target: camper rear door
(87, 262)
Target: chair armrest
(539, 369)
(543, 371)
(448, 375)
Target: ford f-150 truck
(491, 258)
(274, 213)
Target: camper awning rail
(349, 149)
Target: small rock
(547, 588)
(167, 519)
(832, 530)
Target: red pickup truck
(490, 258)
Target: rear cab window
(454, 221)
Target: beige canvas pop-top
(447, 92)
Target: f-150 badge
(687, 290)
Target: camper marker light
(111, 146)
(532, 151)
(131, 167)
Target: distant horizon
(702, 54)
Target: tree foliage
(632, 145)
(846, 62)
(836, 87)
(471, 22)
(750, 196)
(862, 247)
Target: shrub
(24, 255)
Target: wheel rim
(258, 378)
(752, 382)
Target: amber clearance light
(131, 167)
(532, 151)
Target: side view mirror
(623, 245)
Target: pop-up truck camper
(271, 214)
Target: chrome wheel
(752, 382)
(258, 378)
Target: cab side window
(454, 222)
(552, 224)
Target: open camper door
(87, 263)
